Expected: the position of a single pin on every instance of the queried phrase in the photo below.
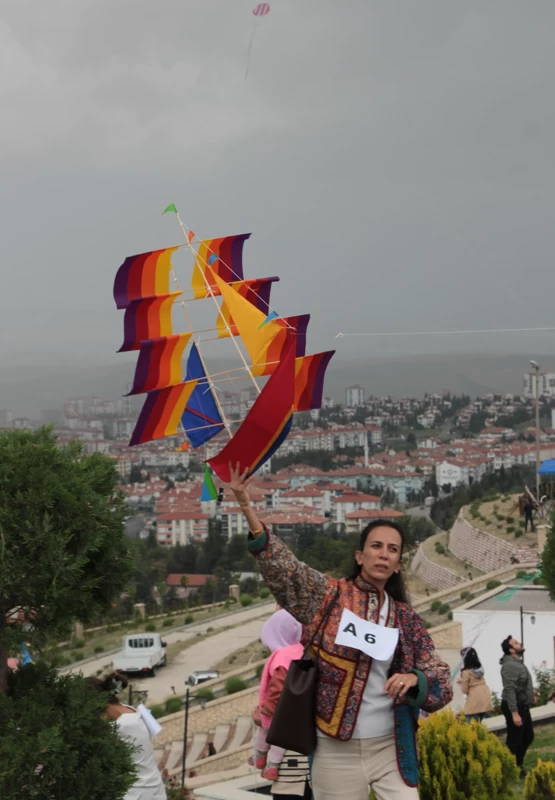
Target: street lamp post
(532, 620)
(537, 387)
(185, 732)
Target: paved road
(204, 654)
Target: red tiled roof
(374, 513)
(193, 581)
(356, 497)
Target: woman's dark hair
(471, 660)
(111, 685)
(395, 586)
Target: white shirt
(375, 716)
(149, 784)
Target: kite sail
(181, 393)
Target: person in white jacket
(132, 725)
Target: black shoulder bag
(293, 725)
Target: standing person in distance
(133, 729)
(366, 710)
(518, 697)
(473, 684)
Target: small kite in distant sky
(259, 11)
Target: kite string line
(212, 295)
(250, 47)
(445, 333)
(216, 398)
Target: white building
(485, 623)
(354, 396)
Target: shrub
(521, 523)
(245, 600)
(539, 581)
(259, 670)
(540, 781)
(518, 533)
(436, 605)
(235, 684)
(206, 692)
(78, 644)
(77, 655)
(188, 619)
(150, 627)
(465, 595)
(496, 703)
(167, 623)
(440, 548)
(443, 609)
(545, 681)
(209, 630)
(57, 722)
(521, 573)
(98, 649)
(427, 624)
(173, 705)
(492, 585)
(510, 529)
(450, 616)
(157, 711)
(459, 760)
(64, 661)
(264, 592)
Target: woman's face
(381, 556)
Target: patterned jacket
(343, 671)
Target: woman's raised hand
(239, 483)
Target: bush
(521, 573)
(436, 605)
(264, 592)
(510, 529)
(57, 722)
(245, 600)
(150, 627)
(540, 781)
(450, 616)
(78, 644)
(235, 684)
(459, 760)
(167, 623)
(492, 585)
(64, 661)
(98, 649)
(496, 703)
(465, 595)
(444, 608)
(188, 619)
(157, 711)
(206, 692)
(77, 655)
(259, 670)
(440, 548)
(539, 580)
(518, 533)
(173, 705)
(545, 682)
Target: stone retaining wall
(482, 550)
(434, 574)
(221, 762)
(223, 711)
(448, 636)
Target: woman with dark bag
(366, 706)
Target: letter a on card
(376, 641)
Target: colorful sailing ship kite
(183, 401)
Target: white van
(142, 652)
(200, 677)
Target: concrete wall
(223, 711)
(482, 550)
(448, 636)
(433, 574)
(222, 762)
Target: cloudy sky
(393, 159)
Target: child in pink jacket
(282, 635)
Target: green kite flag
(209, 491)
(171, 208)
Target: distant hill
(26, 389)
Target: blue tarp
(547, 467)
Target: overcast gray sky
(394, 160)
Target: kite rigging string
(259, 11)
(445, 333)
(186, 233)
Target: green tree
(548, 560)
(55, 743)
(63, 552)
(411, 441)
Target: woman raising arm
(366, 709)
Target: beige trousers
(345, 770)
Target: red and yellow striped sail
(143, 275)
(147, 318)
(161, 413)
(159, 363)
